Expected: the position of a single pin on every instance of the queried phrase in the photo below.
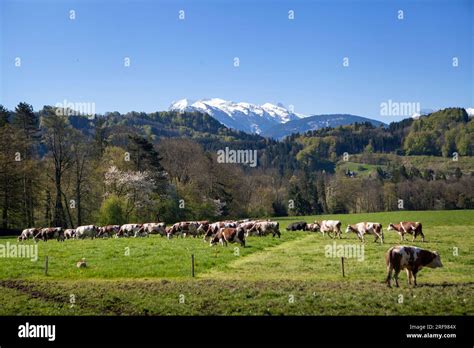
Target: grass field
(287, 276)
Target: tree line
(60, 170)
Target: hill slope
(316, 122)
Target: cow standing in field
(51, 233)
(154, 228)
(297, 226)
(216, 226)
(265, 227)
(184, 229)
(362, 228)
(229, 235)
(330, 226)
(90, 231)
(410, 258)
(69, 233)
(108, 231)
(409, 227)
(129, 230)
(28, 233)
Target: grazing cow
(229, 235)
(330, 226)
(129, 230)
(297, 226)
(410, 258)
(404, 227)
(363, 228)
(216, 226)
(51, 233)
(184, 228)
(86, 231)
(108, 231)
(265, 227)
(154, 228)
(69, 233)
(28, 233)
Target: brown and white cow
(154, 228)
(363, 228)
(409, 227)
(129, 230)
(229, 235)
(28, 233)
(410, 258)
(330, 226)
(184, 229)
(108, 231)
(51, 233)
(216, 226)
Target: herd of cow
(218, 232)
(333, 229)
(412, 259)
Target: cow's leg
(389, 275)
(409, 274)
(397, 271)
(422, 236)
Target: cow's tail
(389, 261)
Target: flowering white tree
(135, 187)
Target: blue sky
(296, 62)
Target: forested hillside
(113, 168)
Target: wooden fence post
(46, 265)
(342, 266)
(192, 265)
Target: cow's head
(390, 227)
(436, 262)
(214, 239)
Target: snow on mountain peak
(242, 116)
(180, 105)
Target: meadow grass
(257, 280)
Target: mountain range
(269, 120)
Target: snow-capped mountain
(470, 112)
(246, 117)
